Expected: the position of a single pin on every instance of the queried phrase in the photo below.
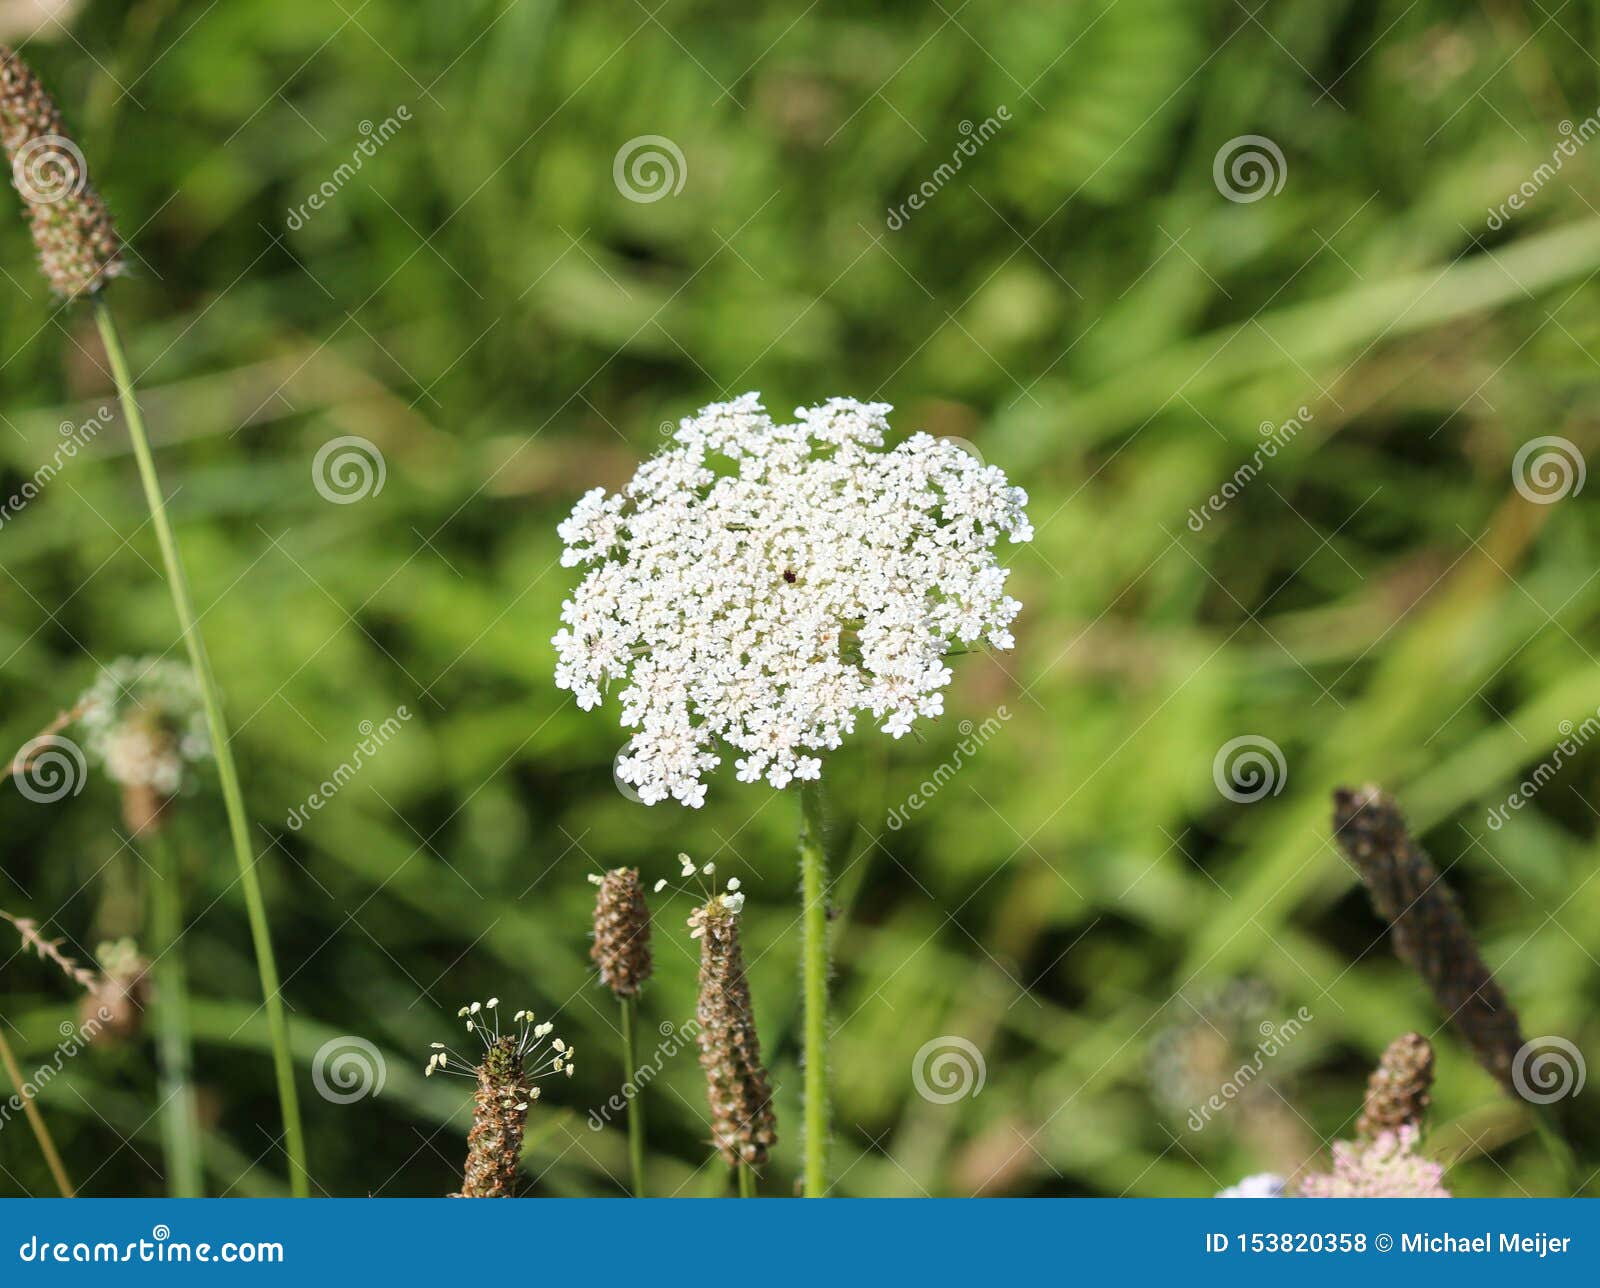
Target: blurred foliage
(1080, 902)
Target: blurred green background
(481, 300)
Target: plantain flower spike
(621, 932)
(743, 1126)
(1397, 1091)
(1426, 924)
(79, 249)
(513, 1060)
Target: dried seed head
(622, 932)
(79, 250)
(742, 1123)
(1397, 1091)
(1430, 934)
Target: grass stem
(180, 1128)
(814, 974)
(227, 773)
(41, 1133)
(635, 1108)
(747, 1181)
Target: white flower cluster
(763, 584)
(143, 720)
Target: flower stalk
(41, 1132)
(814, 979)
(180, 1128)
(227, 772)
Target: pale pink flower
(1387, 1167)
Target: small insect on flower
(506, 1074)
(763, 585)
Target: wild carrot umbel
(1397, 1091)
(764, 587)
(505, 1076)
(622, 952)
(742, 1124)
(1429, 932)
(79, 251)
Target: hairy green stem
(180, 1127)
(747, 1181)
(41, 1133)
(227, 773)
(635, 1108)
(814, 975)
(1549, 1131)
